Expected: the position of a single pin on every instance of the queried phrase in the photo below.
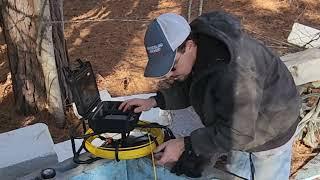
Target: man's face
(183, 64)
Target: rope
(153, 161)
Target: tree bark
(60, 49)
(36, 53)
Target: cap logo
(155, 48)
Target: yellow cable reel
(127, 152)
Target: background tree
(33, 31)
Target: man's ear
(190, 44)
(191, 50)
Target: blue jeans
(273, 164)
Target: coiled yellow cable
(128, 152)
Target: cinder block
(64, 149)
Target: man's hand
(139, 104)
(189, 162)
(172, 151)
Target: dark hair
(182, 47)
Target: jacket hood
(222, 26)
(219, 24)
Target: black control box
(102, 116)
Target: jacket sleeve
(230, 107)
(175, 97)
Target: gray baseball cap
(163, 36)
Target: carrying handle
(81, 63)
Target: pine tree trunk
(36, 54)
(56, 11)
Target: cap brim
(158, 66)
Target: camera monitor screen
(88, 91)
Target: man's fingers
(158, 155)
(162, 161)
(139, 109)
(142, 105)
(129, 103)
(132, 102)
(126, 107)
(160, 147)
(122, 105)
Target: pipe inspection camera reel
(112, 134)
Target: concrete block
(304, 36)
(64, 149)
(304, 65)
(24, 150)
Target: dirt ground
(103, 32)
